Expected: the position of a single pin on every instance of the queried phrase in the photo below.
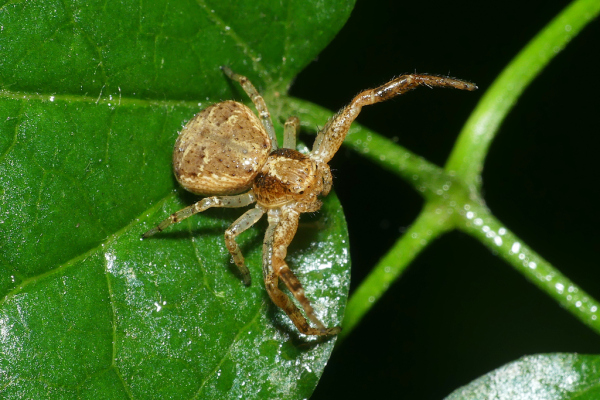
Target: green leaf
(540, 377)
(92, 96)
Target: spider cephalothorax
(226, 149)
(289, 176)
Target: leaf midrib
(115, 101)
(228, 30)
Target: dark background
(427, 336)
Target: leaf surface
(92, 95)
(542, 377)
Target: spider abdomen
(288, 176)
(221, 150)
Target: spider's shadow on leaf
(309, 227)
(185, 233)
(239, 93)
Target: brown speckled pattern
(220, 150)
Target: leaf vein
(228, 352)
(247, 49)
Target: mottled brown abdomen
(220, 150)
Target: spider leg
(241, 200)
(244, 222)
(290, 131)
(282, 228)
(259, 103)
(332, 135)
(327, 181)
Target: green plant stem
(478, 222)
(424, 230)
(469, 153)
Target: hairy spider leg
(332, 135)
(282, 229)
(259, 103)
(290, 130)
(241, 200)
(244, 222)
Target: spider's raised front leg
(241, 200)
(332, 135)
(259, 103)
(283, 224)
